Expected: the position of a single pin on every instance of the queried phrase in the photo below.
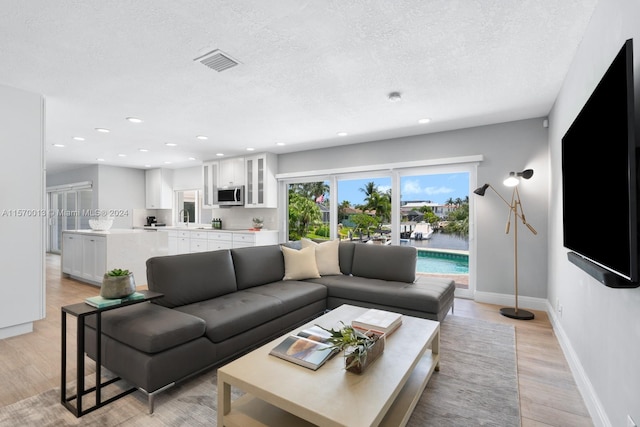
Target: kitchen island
(88, 254)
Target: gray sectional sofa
(218, 305)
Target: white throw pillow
(327, 256)
(299, 264)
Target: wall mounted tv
(599, 180)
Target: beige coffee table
(281, 393)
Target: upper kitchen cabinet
(210, 179)
(232, 172)
(159, 188)
(262, 186)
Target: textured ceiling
(308, 70)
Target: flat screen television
(599, 179)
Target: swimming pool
(430, 261)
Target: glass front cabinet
(261, 186)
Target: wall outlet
(630, 422)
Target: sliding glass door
(68, 209)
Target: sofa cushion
(345, 253)
(232, 314)
(299, 264)
(327, 255)
(396, 263)
(188, 278)
(150, 328)
(292, 294)
(257, 265)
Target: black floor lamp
(515, 210)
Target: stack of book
(100, 302)
(378, 320)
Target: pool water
(442, 263)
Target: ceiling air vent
(217, 60)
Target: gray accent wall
(506, 147)
(599, 327)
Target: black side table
(81, 311)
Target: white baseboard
(509, 300)
(593, 404)
(12, 331)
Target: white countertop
(107, 232)
(204, 228)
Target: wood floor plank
(30, 363)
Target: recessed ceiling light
(250, 149)
(280, 143)
(171, 144)
(122, 155)
(147, 166)
(342, 134)
(167, 163)
(78, 138)
(202, 137)
(134, 120)
(102, 130)
(423, 121)
(395, 97)
(192, 158)
(219, 154)
(100, 159)
(58, 145)
(142, 150)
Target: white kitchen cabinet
(184, 242)
(255, 238)
(217, 240)
(232, 172)
(72, 248)
(261, 187)
(198, 241)
(88, 254)
(210, 179)
(159, 188)
(172, 241)
(94, 258)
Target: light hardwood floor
(30, 363)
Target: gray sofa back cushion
(345, 253)
(397, 263)
(188, 278)
(257, 265)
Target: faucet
(180, 216)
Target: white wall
(506, 147)
(599, 326)
(22, 219)
(120, 191)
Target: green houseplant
(360, 347)
(117, 283)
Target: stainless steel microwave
(230, 196)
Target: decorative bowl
(100, 224)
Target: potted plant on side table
(117, 283)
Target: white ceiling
(308, 70)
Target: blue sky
(437, 188)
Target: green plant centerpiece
(117, 283)
(361, 348)
(258, 222)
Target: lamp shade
(481, 190)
